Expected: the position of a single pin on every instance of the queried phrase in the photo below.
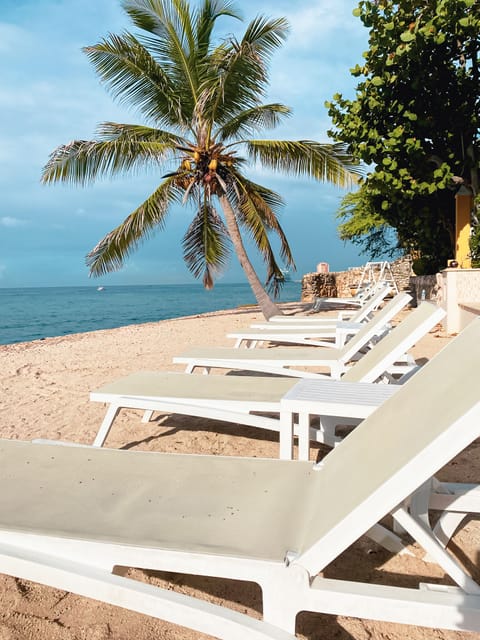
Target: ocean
(35, 313)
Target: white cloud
(11, 35)
(313, 23)
(9, 222)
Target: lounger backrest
(371, 304)
(373, 326)
(426, 423)
(391, 347)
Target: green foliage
(202, 99)
(414, 120)
(366, 228)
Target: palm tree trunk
(266, 304)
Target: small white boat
(100, 288)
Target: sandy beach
(44, 393)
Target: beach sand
(44, 393)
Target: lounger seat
(211, 507)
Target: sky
(50, 95)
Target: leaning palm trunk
(267, 306)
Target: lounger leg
(147, 416)
(106, 425)
(286, 435)
(304, 436)
(447, 525)
(452, 514)
(282, 597)
(327, 429)
(191, 367)
(448, 522)
(424, 536)
(387, 539)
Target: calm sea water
(35, 313)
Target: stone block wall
(420, 284)
(343, 284)
(402, 272)
(318, 285)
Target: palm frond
(250, 202)
(83, 161)
(247, 122)
(325, 162)
(138, 133)
(112, 251)
(159, 17)
(206, 245)
(205, 19)
(134, 78)
(173, 42)
(147, 15)
(256, 211)
(265, 201)
(265, 35)
(240, 76)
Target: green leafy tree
(203, 101)
(414, 120)
(369, 231)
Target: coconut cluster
(209, 167)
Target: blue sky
(50, 95)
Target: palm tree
(203, 101)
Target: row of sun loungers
(73, 516)
(240, 399)
(326, 335)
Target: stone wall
(343, 284)
(318, 285)
(402, 272)
(423, 286)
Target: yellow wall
(462, 229)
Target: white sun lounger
(314, 336)
(358, 300)
(72, 517)
(246, 399)
(287, 361)
(359, 315)
(333, 335)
